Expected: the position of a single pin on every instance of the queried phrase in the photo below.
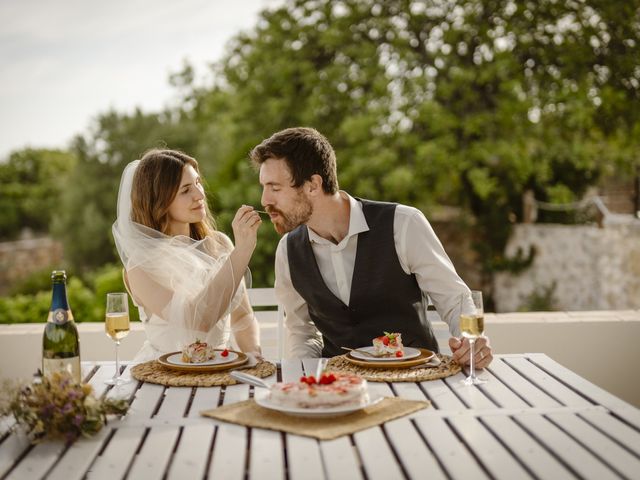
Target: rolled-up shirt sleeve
(420, 252)
(303, 338)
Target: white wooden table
(533, 419)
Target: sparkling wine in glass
(116, 326)
(472, 328)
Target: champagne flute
(116, 326)
(472, 328)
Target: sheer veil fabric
(190, 283)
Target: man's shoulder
(400, 208)
(408, 211)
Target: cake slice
(198, 352)
(388, 345)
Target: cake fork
(364, 352)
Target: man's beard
(301, 214)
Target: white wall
(593, 268)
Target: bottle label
(70, 365)
(60, 316)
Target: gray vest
(383, 297)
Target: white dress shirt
(419, 252)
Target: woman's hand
(245, 229)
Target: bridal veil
(190, 282)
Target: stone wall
(581, 267)
(20, 258)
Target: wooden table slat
(377, 457)
(235, 393)
(174, 403)
(414, 454)
(499, 393)
(155, 454)
(473, 396)
(103, 373)
(409, 390)
(623, 433)
(229, 453)
(566, 448)
(192, 453)
(441, 396)
(204, 399)
(600, 445)
(595, 393)
(126, 390)
(533, 455)
(115, 460)
(267, 455)
(520, 385)
(456, 459)
(379, 389)
(492, 454)
(145, 402)
(632, 417)
(340, 459)
(78, 458)
(291, 370)
(40, 459)
(304, 458)
(11, 448)
(547, 383)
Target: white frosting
(346, 390)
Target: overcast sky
(65, 61)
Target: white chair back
(270, 316)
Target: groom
(349, 269)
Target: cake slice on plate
(388, 345)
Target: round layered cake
(330, 390)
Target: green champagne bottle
(60, 342)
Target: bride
(185, 276)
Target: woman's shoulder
(218, 243)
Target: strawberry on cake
(388, 345)
(198, 352)
(330, 390)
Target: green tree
(88, 203)
(428, 103)
(31, 181)
(462, 103)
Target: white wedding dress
(184, 288)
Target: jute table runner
(153, 372)
(249, 414)
(446, 368)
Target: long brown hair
(155, 185)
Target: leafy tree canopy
(31, 182)
(465, 103)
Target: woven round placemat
(153, 372)
(446, 368)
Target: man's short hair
(306, 152)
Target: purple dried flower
(78, 419)
(70, 437)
